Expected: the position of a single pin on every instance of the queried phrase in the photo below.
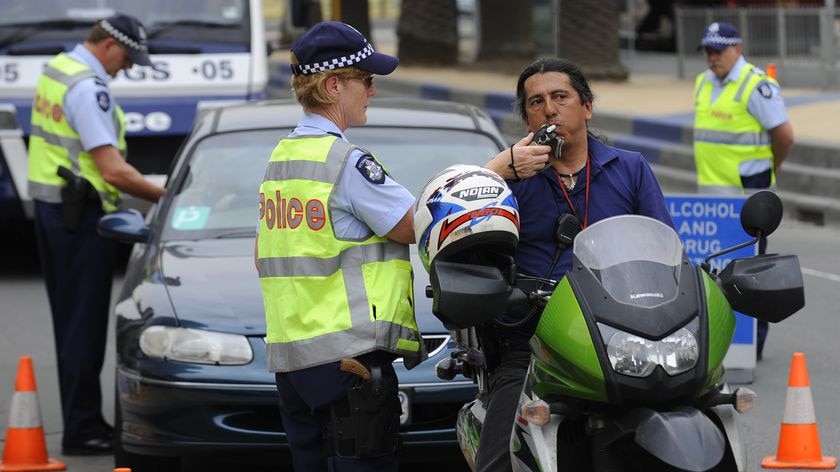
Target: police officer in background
(332, 256)
(77, 170)
(741, 129)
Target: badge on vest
(103, 100)
(765, 90)
(371, 170)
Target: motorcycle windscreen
(637, 259)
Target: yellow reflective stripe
(382, 336)
(71, 144)
(67, 79)
(761, 138)
(45, 192)
(744, 82)
(324, 266)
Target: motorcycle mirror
(761, 213)
(760, 216)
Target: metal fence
(801, 41)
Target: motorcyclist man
(588, 180)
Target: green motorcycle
(626, 368)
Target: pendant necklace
(569, 180)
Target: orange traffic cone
(26, 447)
(771, 70)
(799, 444)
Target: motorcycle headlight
(195, 346)
(636, 356)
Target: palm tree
(506, 33)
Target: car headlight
(636, 356)
(195, 345)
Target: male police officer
(741, 131)
(332, 255)
(76, 172)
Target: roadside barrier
(26, 446)
(799, 442)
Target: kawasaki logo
(634, 296)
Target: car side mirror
(124, 225)
(768, 287)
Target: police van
(203, 52)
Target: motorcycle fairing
(684, 437)
(654, 322)
(564, 350)
(468, 428)
(533, 448)
(728, 418)
(721, 327)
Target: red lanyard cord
(585, 222)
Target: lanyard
(585, 221)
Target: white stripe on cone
(799, 406)
(24, 410)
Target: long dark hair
(552, 64)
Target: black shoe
(95, 446)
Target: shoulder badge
(765, 90)
(370, 169)
(103, 100)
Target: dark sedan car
(191, 374)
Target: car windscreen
(218, 197)
(198, 20)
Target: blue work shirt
(765, 104)
(89, 106)
(362, 205)
(620, 182)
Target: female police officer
(332, 256)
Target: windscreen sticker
(191, 217)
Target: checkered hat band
(122, 37)
(718, 39)
(337, 63)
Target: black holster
(365, 425)
(76, 195)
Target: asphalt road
(26, 330)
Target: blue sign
(706, 224)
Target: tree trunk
(427, 31)
(506, 37)
(589, 37)
(355, 13)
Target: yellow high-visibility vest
(725, 134)
(53, 142)
(326, 298)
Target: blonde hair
(310, 90)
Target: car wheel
(138, 462)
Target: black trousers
(505, 385)
(305, 396)
(78, 270)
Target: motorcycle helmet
(466, 213)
